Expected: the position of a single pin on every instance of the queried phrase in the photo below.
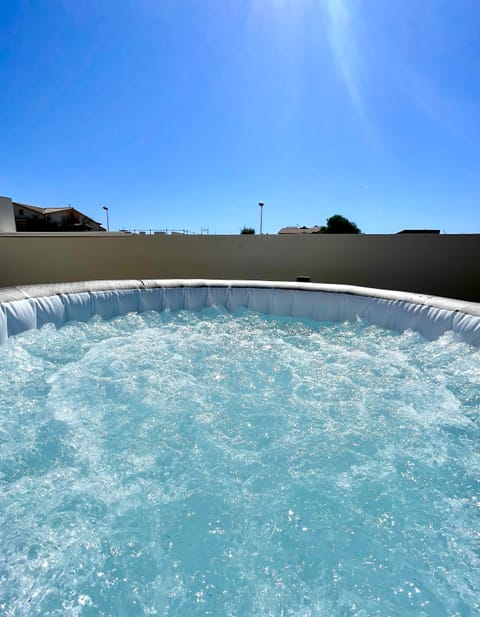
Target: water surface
(187, 464)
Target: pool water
(187, 464)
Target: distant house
(300, 230)
(33, 218)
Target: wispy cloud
(346, 53)
(415, 52)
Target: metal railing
(164, 232)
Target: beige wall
(7, 219)
(445, 265)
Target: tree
(338, 224)
(247, 230)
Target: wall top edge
(25, 292)
(118, 234)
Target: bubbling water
(231, 465)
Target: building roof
(419, 231)
(29, 207)
(45, 211)
(300, 230)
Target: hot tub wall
(443, 265)
(431, 317)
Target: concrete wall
(445, 265)
(7, 218)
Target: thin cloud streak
(344, 49)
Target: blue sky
(184, 114)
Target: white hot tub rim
(32, 306)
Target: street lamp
(106, 210)
(261, 204)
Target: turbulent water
(192, 464)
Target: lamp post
(106, 210)
(261, 204)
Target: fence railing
(164, 232)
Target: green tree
(338, 224)
(247, 230)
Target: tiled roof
(300, 230)
(45, 211)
